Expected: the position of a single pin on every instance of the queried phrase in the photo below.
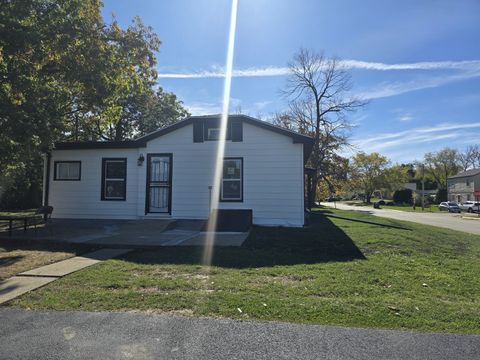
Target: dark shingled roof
(142, 141)
(471, 172)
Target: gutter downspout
(46, 178)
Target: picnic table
(12, 218)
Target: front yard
(17, 255)
(348, 269)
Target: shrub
(441, 196)
(404, 196)
(21, 189)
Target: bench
(44, 214)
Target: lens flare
(215, 194)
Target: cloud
(405, 118)
(267, 71)
(203, 108)
(406, 139)
(236, 105)
(387, 89)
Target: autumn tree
(369, 172)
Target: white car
(470, 206)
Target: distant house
(169, 173)
(464, 186)
(418, 190)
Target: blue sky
(418, 62)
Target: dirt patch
(17, 256)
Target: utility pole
(423, 187)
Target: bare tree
(470, 158)
(318, 89)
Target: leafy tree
(369, 172)
(67, 75)
(440, 165)
(396, 176)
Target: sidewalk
(33, 279)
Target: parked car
(449, 206)
(470, 206)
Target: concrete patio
(129, 233)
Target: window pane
(62, 171)
(73, 170)
(114, 189)
(160, 169)
(232, 169)
(213, 134)
(115, 169)
(232, 190)
(68, 171)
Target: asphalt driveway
(83, 335)
(444, 220)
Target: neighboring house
(413, 186)
(169, 173)
(464, 186)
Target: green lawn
(348, 269)
(432, 208)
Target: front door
(159, 183)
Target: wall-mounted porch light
(140, 160)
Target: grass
(409, 208)
(18, 255)
(348, 268)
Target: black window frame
(241, 180)
(55, 172)
(104, 168)
(216, 125)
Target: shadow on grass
(321, 242)
(321, 213)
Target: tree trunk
(368, 196)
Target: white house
(169, 173)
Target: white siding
(272, 188)
(273, 175)
(82, 199)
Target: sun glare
(215, 194)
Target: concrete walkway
(33, 279)
(101, 335)
(443, 220)
(130, 233)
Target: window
(67, 170)
(213, 133)
(114, 179)
(468, 182)
(232, 180)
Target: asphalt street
(102, 335)
(444, 220)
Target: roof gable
(142, 141)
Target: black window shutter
(197, 131)
(237, 131)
